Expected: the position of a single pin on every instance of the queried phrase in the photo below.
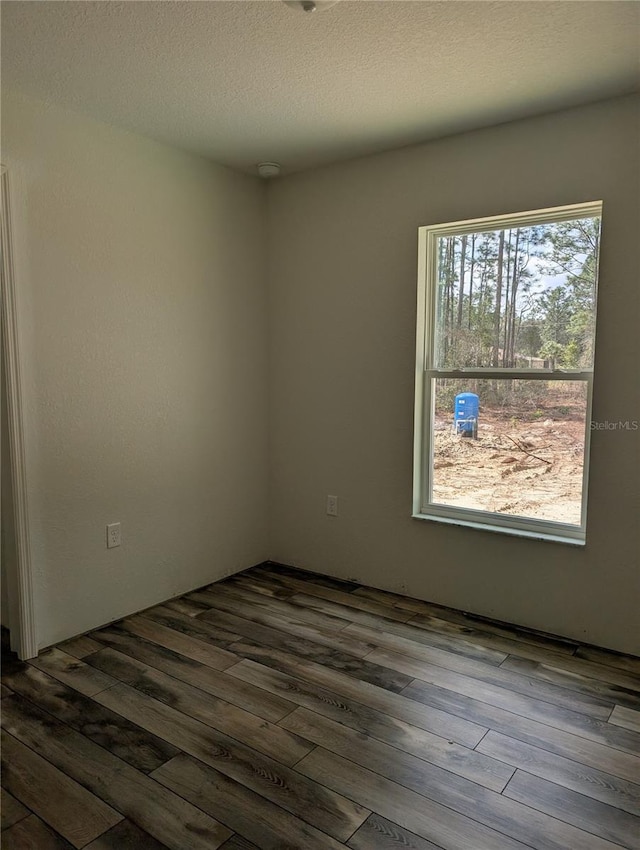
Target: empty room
(320, 425)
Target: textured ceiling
(246, 81)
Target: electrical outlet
(113, 535)
(332, 505)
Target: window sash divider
(511, 374)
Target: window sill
(548, 536)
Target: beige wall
(7, 539)
(144, 319)
(343, 247)
(140, 273)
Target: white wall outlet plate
(332, 505)
(113, 535)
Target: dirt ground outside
(522, 463)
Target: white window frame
(426, 373)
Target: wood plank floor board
(480, 624)
(435, 720)
(293, 605)
(629, 663)
(330, 602)
(595, 670)
(254, 591)
(68, 808)
(32, 834)
(628, 718)
(283, 710)
(258, 612)
(430, 639)
(164, 815)
(126, 836)
(196, 649)
(248, 728)
(608, 822)
(574, 722)
(591, 670)
(589, 781)
(414, 812)
(270, 827)
(79, 647)
(251, 580)
(509, 645)
(303, 798)
(433, 748)
(283, 656)
(72, 671)
(378, 833)
(281, 641)
(469, 640)
(402, 767)
(191, 626)
(184, 605)
(340, 610)
(538, 672)
(5, 691)
(11, 809)
(121, 737)
(191, 672)
(514, 681)
(397, 600)
(331, 582)
(440, 786)
(585, 751)
(349, 600)
(237, 842)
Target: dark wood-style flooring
(280, 709)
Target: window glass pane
(520, 297)
(510, 446)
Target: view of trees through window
(523, 297)
(513, 299)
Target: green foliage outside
(509, 296)
(522, 297)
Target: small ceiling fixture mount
(310, 5)
(268, 169)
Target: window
(504, 371)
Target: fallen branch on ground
(518, 445)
